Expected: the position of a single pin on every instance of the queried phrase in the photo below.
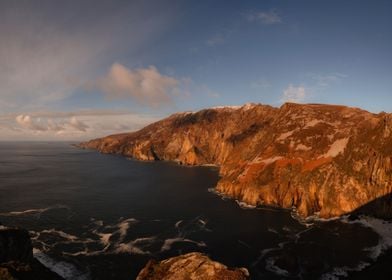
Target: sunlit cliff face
(321, 159)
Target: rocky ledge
(321, 159)
(16, 257)
(190, 266)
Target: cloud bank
(41, 124)
(147, 86)
(78, 125)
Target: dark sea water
(95, 216)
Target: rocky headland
(323, 160)
(190, 266)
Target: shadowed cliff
(16, 257)
(323, 159)
(380, 208)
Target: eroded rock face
(16, 257)
(322, 159)
(15, 245)
(192, 266)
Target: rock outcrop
(190, 266)
(16, 257)
(321, 159)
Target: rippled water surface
(94, 216)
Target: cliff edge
(16, 257)
(190, 266)
(321, 159)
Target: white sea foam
(104, 238)
(270, 266)
(339, 272)
(61, 233)
(124, 225)
(168, 243)
(273, 230)
(135, 246)
(178, 223)
(32, 211)
(244, 205)
(64, 269)
(381, 227)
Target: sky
(76, 70)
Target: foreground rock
(190, 266)
(16, 257)
(322, 159)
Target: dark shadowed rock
(323, 159)
(16, 257)
(15, 246)
(190, 266)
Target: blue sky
(81, 69)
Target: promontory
(320, 159)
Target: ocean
(96, 216)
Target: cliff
(322, 159)
(190, 266)
(16, 257)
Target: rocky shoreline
(16, 257)
(17, 263)
(190, 266)
(324, 160)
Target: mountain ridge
(321, 159)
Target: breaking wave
(66, 270)
(37, 211)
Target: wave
(178, 223)
(168, 243)
(381, 227)
(102, 238)
(132, 248)
(66, 270)
(339, 272)
(270, 266)
(37, 211)
(124, 225)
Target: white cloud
(145, 85)
(77, 124)
(39, 124)
(80, 125)
(294, 94)
(46, 56)
(265, 17)
(26, 121)
(327, 79)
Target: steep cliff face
(322, 159)
(190, 266)
(16, 257)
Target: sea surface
(96, 216)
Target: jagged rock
(16, 257)
(15, 245)
(5, 274)
(191, 266)
(322, 159)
